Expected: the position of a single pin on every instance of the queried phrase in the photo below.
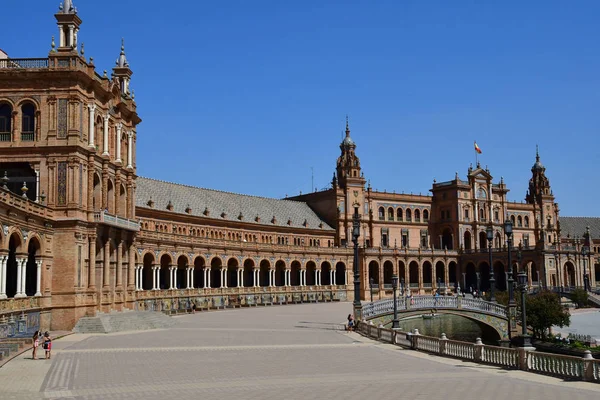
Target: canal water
(455, 327)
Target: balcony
(27, 136)
(24, 63)
(4, 136)
(103, 217)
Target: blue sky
(247, 96)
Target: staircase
(123, 321)
(10, 347)
(594, 299)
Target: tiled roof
(231, 204)
(575, 226)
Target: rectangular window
(526, 240)
(467, 214)
(384, 237)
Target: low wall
(566, 367)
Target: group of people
(46, 342)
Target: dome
(348, 141)
(538, 165)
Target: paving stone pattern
(286, 352)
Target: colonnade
(21, 277)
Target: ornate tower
(68, 27)
(546, 210)
(349, 187)
(122, 72)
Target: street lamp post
(371, 287)
(519, 257)
(490, 238)
(355, 234)
(401, 286)
(511, 296)
(395, 324)
(522, 277)
(585, 251)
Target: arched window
(408, 215)
(27, 122)
(381, 214)
(512, 219)
(425, 215)
(481, 214)
(399, 214)
(390, 214)
(526, 222)
(519, 221)
(417, 216)
(5, 122)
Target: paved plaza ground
(584, 321)
(281, 352)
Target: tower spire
(122, 71)
(68, 26)
(347, 127)
(537, 153)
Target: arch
(390, 214)
(28, 111)
(295, 273)
(373, 273)
(97, 193)
(408, 215)
(452, 271)
(569, 271)
(14, 248)
(447, 242)
(147, 271)
(280, 269)
(484, 276)
(483, 243)
(498, 240)
(232, 272)
(199, 265)
(535, 278)
(399, 214)
(311, 267)
(326, 273)
(413, 274)
(519, 221)
(401, 272)
(340, 273)
(388, 272)
(33, 252)
(427, 274)
(425, 215)
(265, 268)
(440, 278)
(500, 276)
(381, 213)
(512, 219)
(122, 202)
(526, 221)
(165, 264)
(110, 190)
(470, 280)
(417, 215)
(6, 111)
(181, 272)
(467, 240)
(216, 265)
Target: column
(139, 274)
(208, 277)
(106, 280)
(131, 268)
(334, 282)
(270, 277)
(302, 277)
(38, 281)
(71, 36)
(119, 281)
(205, 278)
(316, 277)
(3, 261)
(256, 282)
(91, 109)
(61, 37)
(241, 277)
(285, 278)
(92, 262)
(331, 277)
(153, 278)
(192, 278)
(19, 279)
(129, 149)
(118, 155)
(187, 277)
(171, 279)
(105, 152)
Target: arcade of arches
(20, 264)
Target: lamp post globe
(395, 323)
(490, 237)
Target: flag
(477, 149)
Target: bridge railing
(386, 306)
(567, 367)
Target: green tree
(543, 311)
(579, 297)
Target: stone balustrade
(567, 367)
(386, 306)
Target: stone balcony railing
(24, 63)
(583, 368)
(103, 217)
(402, 251)
(26, 205)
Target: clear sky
(248, 96)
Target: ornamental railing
(404, 304)
(23, 63)
(116, 221)
(568, 367)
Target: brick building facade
(82, 233)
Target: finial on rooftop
(53, 44)
(537, 153)
(347, 127)
(105, 74)
(82, 49)
(24, 189)
(133, 95)
(456, 175)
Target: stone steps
(123, 321)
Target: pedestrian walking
(36, 343)
(47, 345)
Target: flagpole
(475, 149)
